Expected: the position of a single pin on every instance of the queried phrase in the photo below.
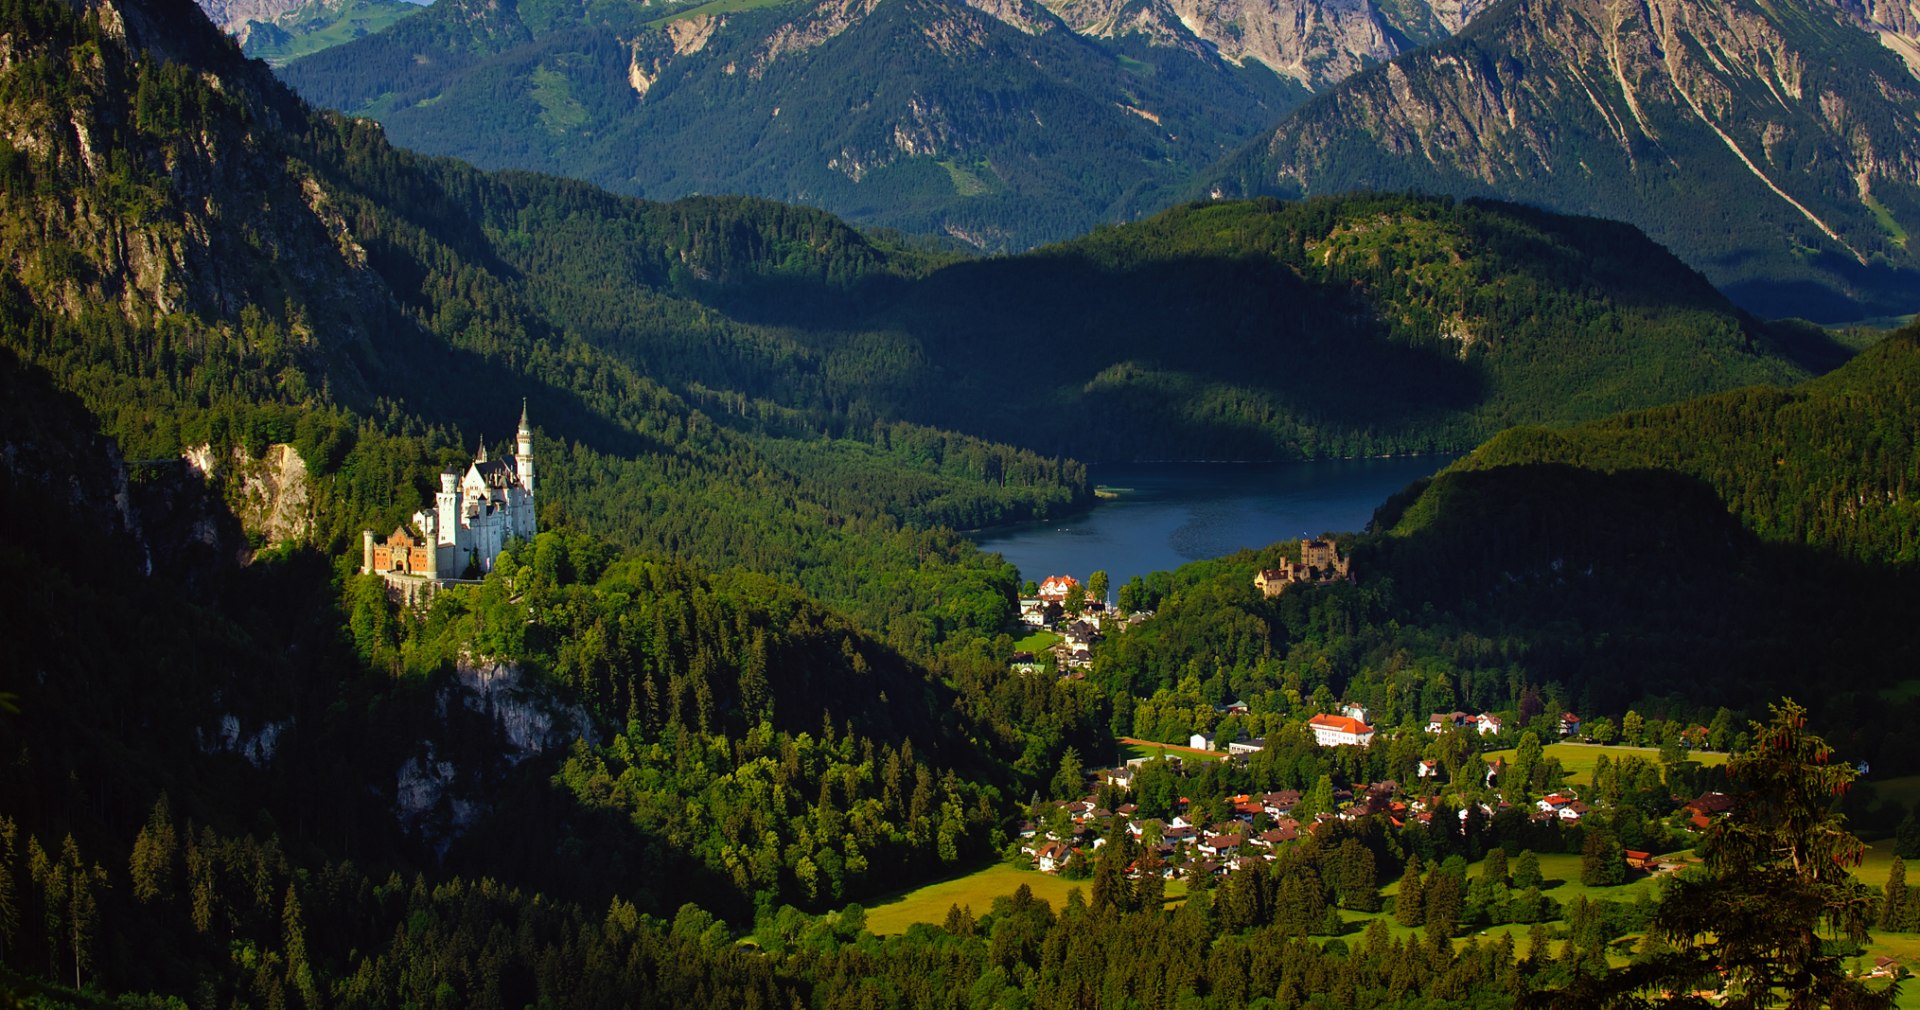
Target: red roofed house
(1057, 588)
(1338, 730)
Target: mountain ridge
(1717, 128)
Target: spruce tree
(1410, 908)
(1777, 886)
(1495, 867)
(1893, 903)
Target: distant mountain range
(1000, 123)
(281, 30)
(1776, 146)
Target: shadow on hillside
(1181, 355)
(1639, 585)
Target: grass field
(1131, 748)
(975, 890)
(1579, 758)
(1037, 643)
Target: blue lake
(1168, 514)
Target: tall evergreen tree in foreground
(1758, 922)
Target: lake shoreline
(1156, 516)
(1098, 498)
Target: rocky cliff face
(1317, 43)
(233, 15)
(1723, 129)
(517, 715)
(270, 495)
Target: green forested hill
(1717, 552)
(746, 669)
(1831, 463)
(1356, 325)
(201, 261)
(1772, 146)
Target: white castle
(473, 517)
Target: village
(1201, 829)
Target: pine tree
(9, 886)
(1777, 877)
(1410, 908)
(1893, 904)
(1603, 863)
(1906, 837)
(1445, 900)
(1495, 867)
(153, 855)
(1068, 781)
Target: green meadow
(975, 890)
(1131, 748)
(1579, 758)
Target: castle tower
(446, 509)
(523, 451)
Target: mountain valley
(746, 678)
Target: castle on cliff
(473, 517)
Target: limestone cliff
(270, 495)
(233, 15)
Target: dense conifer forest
(747, 676)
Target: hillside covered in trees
(747, 665)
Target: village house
(1058, 588)
(1038, 613)
(1339, 730)
(1222, 845)
(1200, 741)
(1277, 804)
(1244, 746)
(1440, 722)
(1569, 724)
(1489, 724)
(1052, 857)
(1704, 808)
(1080, 636)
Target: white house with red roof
(1057, 588)
(1339, 730)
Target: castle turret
(446, 507)
(523, 451)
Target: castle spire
(480, 455)
(524, 428)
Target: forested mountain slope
(1775, 147)
(1359, 325)
(1829, 463)
(742, 665)
(198, 271)
(207, 263)
(1717, 552)
(993, 124)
